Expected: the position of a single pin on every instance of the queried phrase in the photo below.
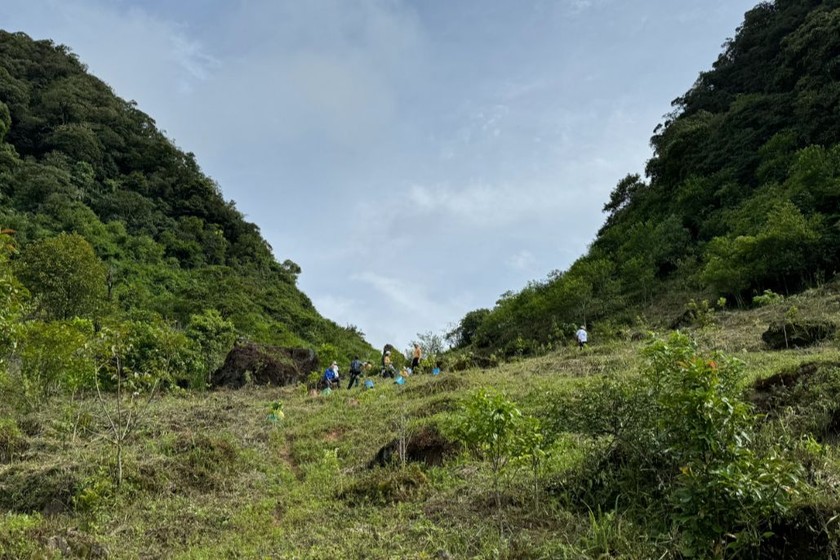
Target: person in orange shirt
(415, 358)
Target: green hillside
(741, 195)
(100, 208)
(702, 445)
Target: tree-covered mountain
(96, 201)
(741, 195)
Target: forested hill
(741, 195)
(75, 158)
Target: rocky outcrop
(801, 334)
(264, 365)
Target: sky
(417, 158)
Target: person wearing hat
(387, 368)
(582, 337)
(331, 378)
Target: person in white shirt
(581, 336)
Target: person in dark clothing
(355, 371)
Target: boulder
(264, 365)
(799, 334)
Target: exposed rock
(800, 334)
(425, 446)
(264, 365)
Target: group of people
(332, 380)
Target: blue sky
(416, 158)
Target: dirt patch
(783, 335)
(264, 365)
(801, 534)
(427, 446)
(334, 435)
(779, 390)
(808, 396)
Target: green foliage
(700, 313)
(54, 358)
(769, 297)
(680, 439)
(12, 302)
(12, 441)
(214, 336)
(724, 490)
(17, 533)
(65, 276)
(488, 427)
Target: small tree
(65, 276)
(135, 370)
(723, 490)
(214, 335)
(488, 428)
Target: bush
(769, 297)
(680, 440)
(723, 490)
(54, 358)
(12, 440)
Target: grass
(208, 476)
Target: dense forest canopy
(741, 195)
(109, 222)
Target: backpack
(356, 366)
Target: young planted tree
(488, 428)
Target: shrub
(12, 440)
(769, 297)
(723, 490)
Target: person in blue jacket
(331, 378)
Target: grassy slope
(207, 476)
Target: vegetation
(740, 196)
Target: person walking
(582, 337)
(355, 371)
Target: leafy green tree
(13, 299)
(54, 359)
(488, 427)
(65, 276)
(214, 335)
(729, 266)
(724, 490)
(463, 335)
